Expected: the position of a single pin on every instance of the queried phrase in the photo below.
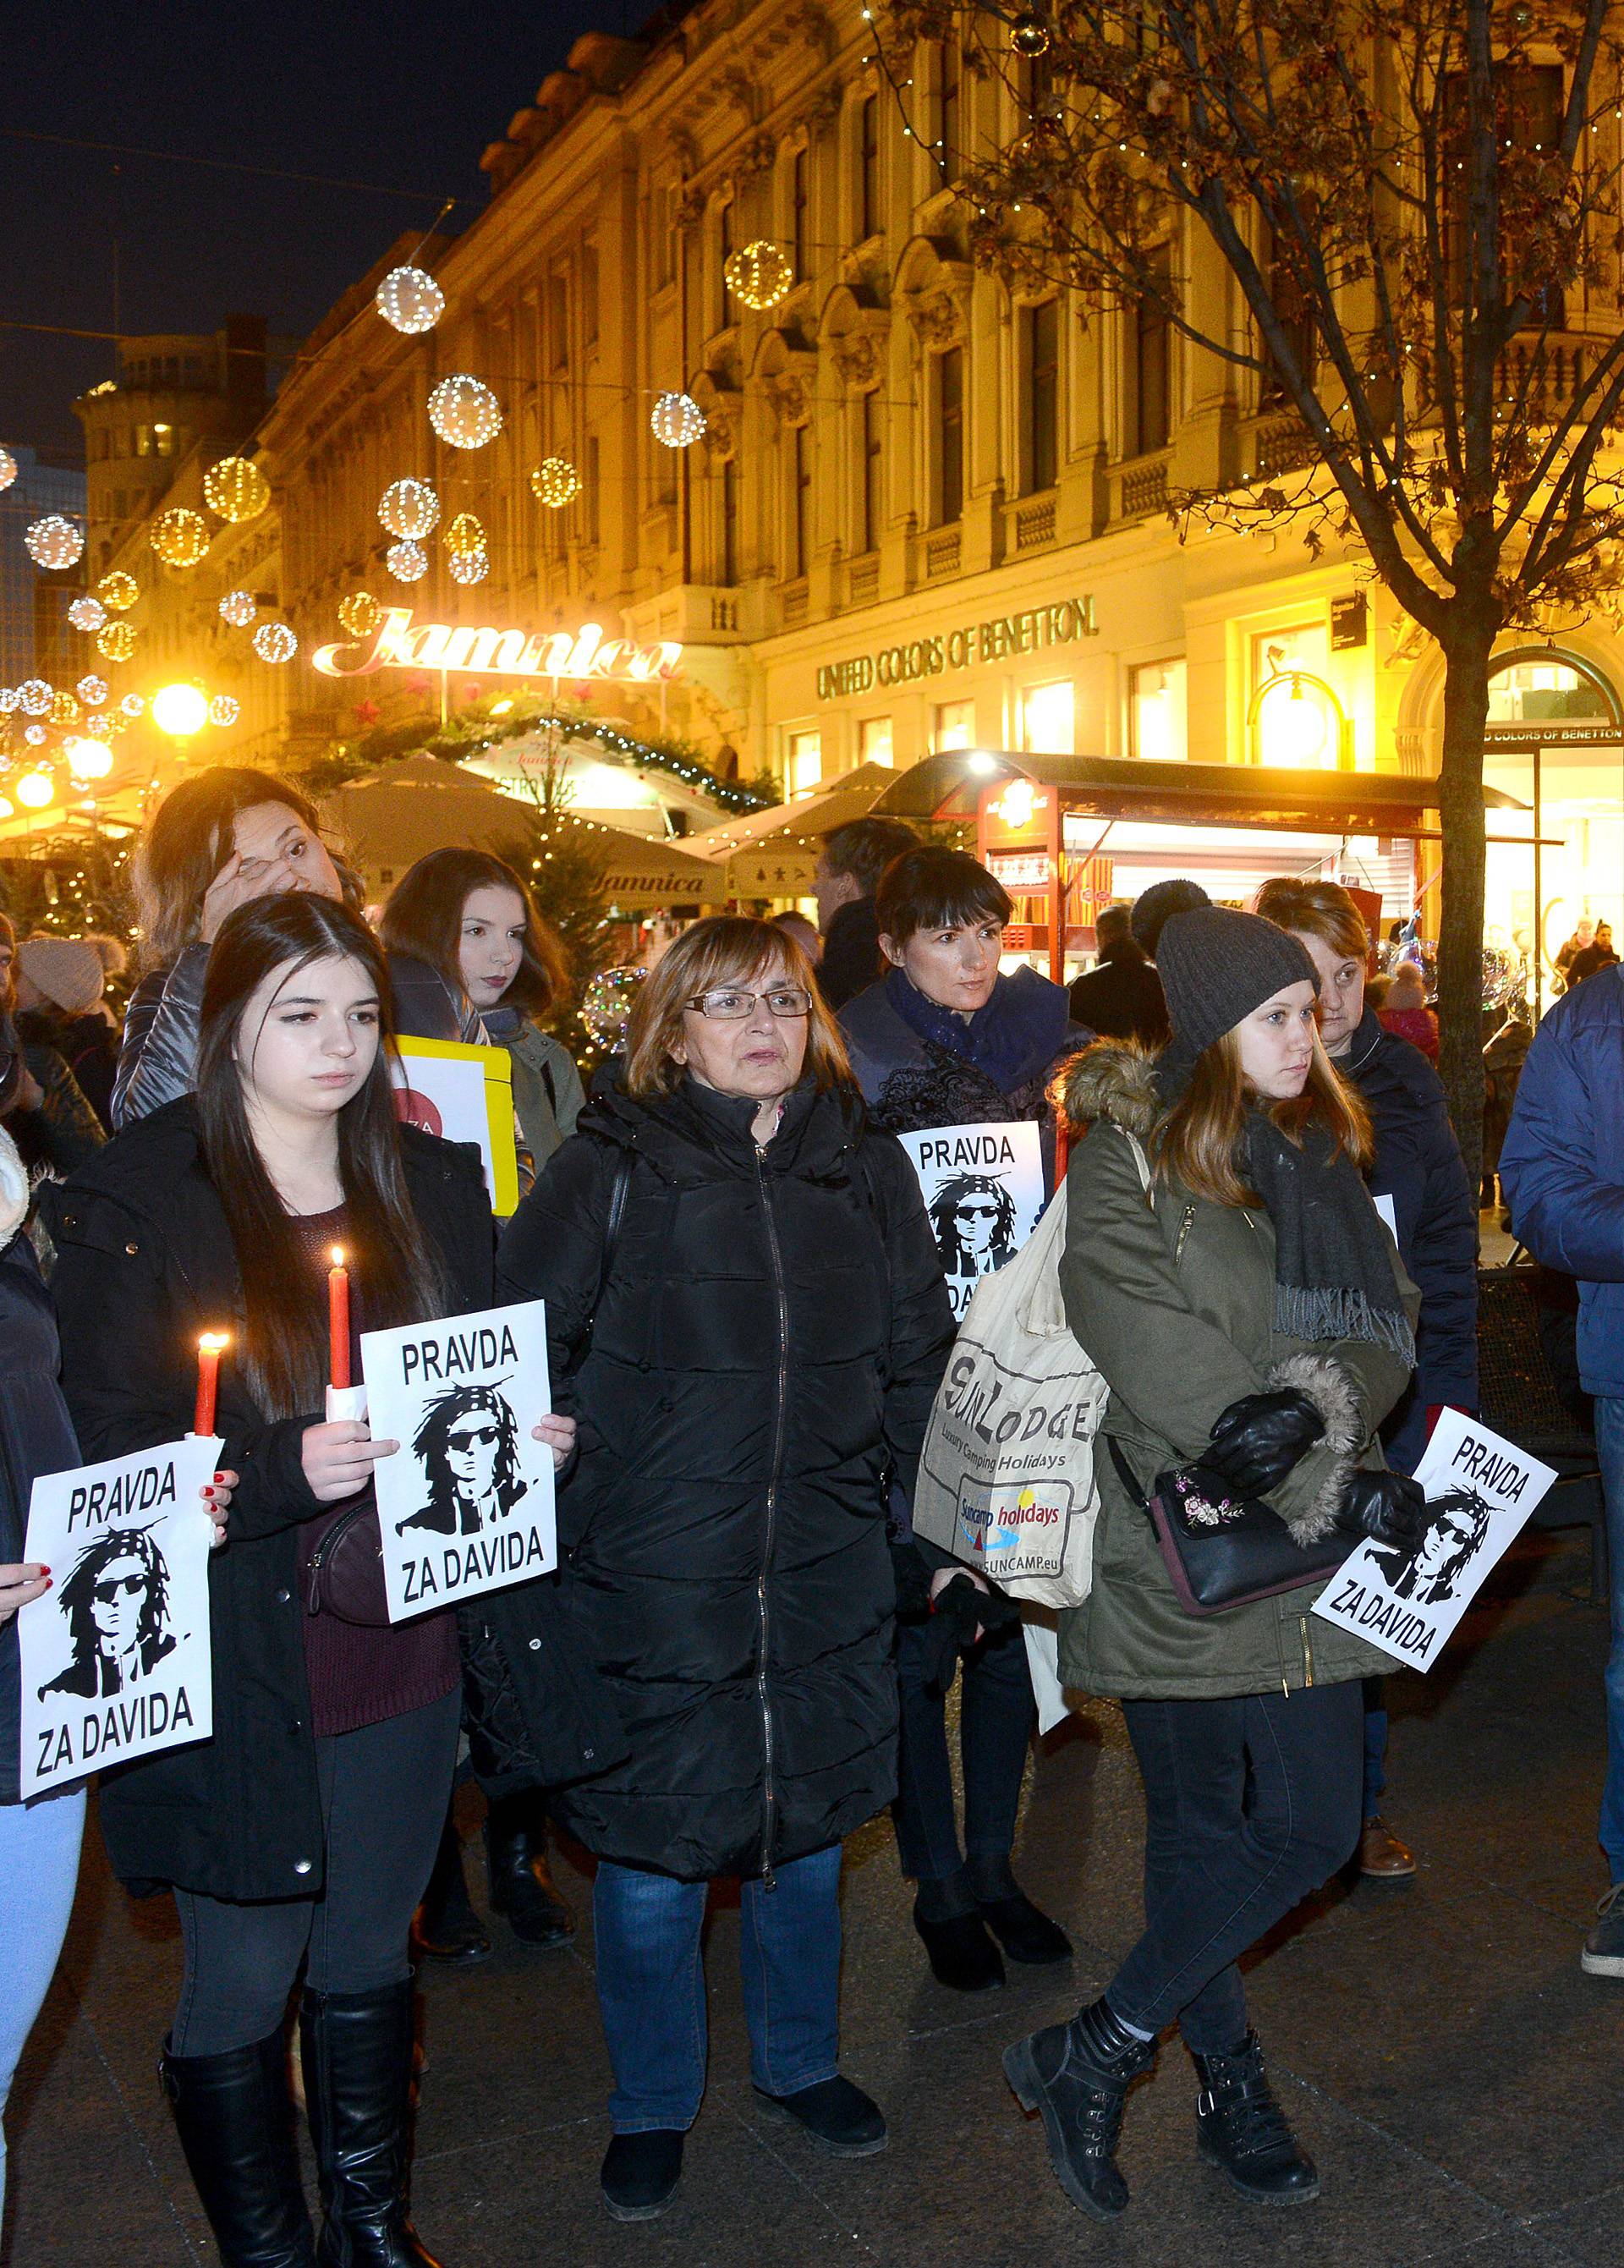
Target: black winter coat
(35, 1434)
(771, 1330)
(1418, 1165)
(144, 1263)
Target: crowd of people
(1270, 1255)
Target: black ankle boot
(1025, 1934)
(962, 1956)
(640, 2173)
(1242, 2129)
(521, 1887)
(1077, 2076)
(234, 2116)
(445, 1927)
(357, 2048)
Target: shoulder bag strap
(618, 1191)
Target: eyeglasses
(486, 1436)
(732, 1007)
(978, 1212)
(129, 1586)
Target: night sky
(404, 98)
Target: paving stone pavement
(1455, 2074)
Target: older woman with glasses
(747, 1315)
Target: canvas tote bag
(1006, 1478)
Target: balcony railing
(942, 552)
(863, 580)
(1142, 489)
(1034, 523)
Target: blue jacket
(1418, 1165)
(35, 1434)
(1562, 1164)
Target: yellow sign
(585, 653)
(464, 1094)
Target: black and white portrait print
(983, 1192)
(116, 1600)
(1432, 1568)
(468, 1445)
(466, 1504)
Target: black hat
(1216, 966)
(1155, 908)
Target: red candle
(338, 1317)
(209, 1348)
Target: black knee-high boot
(357, 2048)
(234, 2116)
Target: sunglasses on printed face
(486, 1436)
(128, 1586)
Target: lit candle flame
(214, 1342)
(338, 1256)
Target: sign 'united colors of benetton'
(398, 643)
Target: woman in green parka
(1249, 1312)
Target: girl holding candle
(301, 1834)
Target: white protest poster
(465, 1094)
(984, 1190)
(115, 1657)
(466, 1504)
(1481, 1490)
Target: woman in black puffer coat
(756, 1347)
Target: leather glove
(957, 1612)
(1389, 1508)
(1259, 1439)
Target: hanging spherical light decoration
(88, 759)
(35, 735)
(52, 542)
(468, 566)
(1029, 35)
(237, 490)
(91, 690)
(409, 509)
(134, 705)
(115, 641)
(555, 483)
(8, 469)
(118, 590)
(87, 614)
(224, 709)
(408, 562)
(677, 420)
(102, 726)
(464, 536)
(759, 274)
(65, 709)
(410, 300)
(180, 537)
(8, 699)
(274, 642)
(35, 697)
(360, 613)
(35, 789)
(464, 411)
(239, 608)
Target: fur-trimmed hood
(1111, 1079)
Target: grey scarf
(1333, 1265)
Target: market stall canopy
(640, 875)
(948, 786)
(772, 853)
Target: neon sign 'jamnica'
(585, 652)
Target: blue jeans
(1610, 1452)
(39, 1866)
(651, 1985)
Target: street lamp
(180, 710)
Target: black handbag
(1221, 1552)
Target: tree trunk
(1460, 928)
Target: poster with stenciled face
(466, 1504)
(1407, 1599)
(115, 1656)
(983, 1192)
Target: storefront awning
(948, 786)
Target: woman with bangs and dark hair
(225, 838)
(469, 915)
(1228, 1273)
(945, 1038)
(746, 1314)
(299, 1835)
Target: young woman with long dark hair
(1249, 1313)
(225, 838)
(466, 913)
(300, 1835)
